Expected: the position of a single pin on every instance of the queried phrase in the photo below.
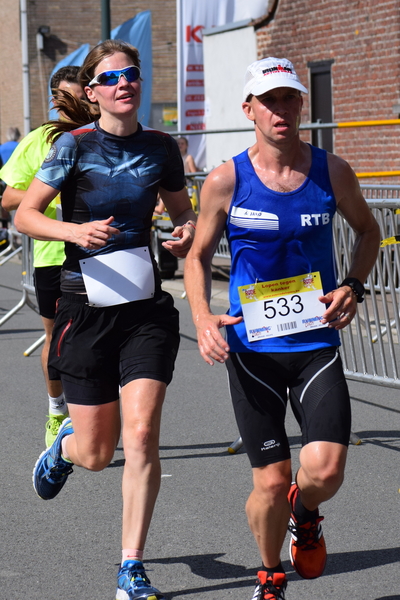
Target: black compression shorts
(95, 350)
(47, 287)
(260, 384)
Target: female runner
(115, 328)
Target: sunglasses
(131, 74)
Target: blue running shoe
(51, 470)
(133, 583)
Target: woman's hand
(92, 235)
(184, 235)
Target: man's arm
(216, 196)
(353, 207)
(23, 164)
(12, 198)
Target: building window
(321, 102)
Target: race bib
(118, 277)
(276, 308)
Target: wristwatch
(357, 287)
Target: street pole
(105, 20)
(25, 66)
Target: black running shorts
(260, 385)
(95, 350)
(47, 287)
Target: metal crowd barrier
(14, 247)
(370, 345)
(28, 288)
(197, 180)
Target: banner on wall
(192, 17)
(137, 32)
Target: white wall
(250, 9)
(226, 57)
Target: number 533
(283, 306)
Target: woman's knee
(142, 402)
(97, 462)
(96, 434)
(95, 457)
(140, 438)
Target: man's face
(276, 112)
(73, 88)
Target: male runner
(276, 201)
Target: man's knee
(324, 463)
(273, 480)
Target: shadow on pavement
(209, 567)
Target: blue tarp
(75, 58)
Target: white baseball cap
(270, 73)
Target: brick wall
(163, 13)
(73, 23)
(363, 39)
(11, 99)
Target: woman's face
(182, 145)
(120, 100)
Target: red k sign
(193, 18)
(191, 33)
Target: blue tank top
(274, 235)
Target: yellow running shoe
(52, 427)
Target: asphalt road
(199, 545)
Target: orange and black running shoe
(270, 586)
(307, 545)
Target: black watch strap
(357, 287)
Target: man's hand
(212, 345)
(343, 307)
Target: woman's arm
(183, 218)
(190, 164)
(29, 219)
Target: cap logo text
(278, 69)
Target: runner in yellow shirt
(48, 257)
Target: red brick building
(359, 42)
